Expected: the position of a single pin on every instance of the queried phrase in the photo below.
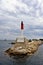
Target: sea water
(35, 59)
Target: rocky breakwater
(26, 48)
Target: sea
(5, 59)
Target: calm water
(36, 59)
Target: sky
(12, 12)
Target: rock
(24, 48)
(13, 43)
(21, 51)
(16, 52)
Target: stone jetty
(24, 47)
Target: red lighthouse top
(22, 25)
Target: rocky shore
(26, 48)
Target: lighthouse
(21, 37)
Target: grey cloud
(35, 5)
(34, 31)
(22, 11)
(8, 13)
(10, 27)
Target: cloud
(13, 11)
(32, 8)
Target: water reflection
(20, 60)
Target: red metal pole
(22, 25)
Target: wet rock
(27, 48)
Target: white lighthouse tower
(21, 37)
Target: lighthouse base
(20, 39)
